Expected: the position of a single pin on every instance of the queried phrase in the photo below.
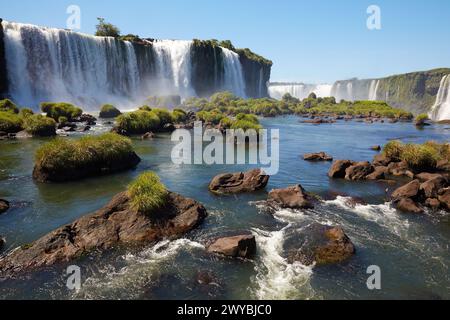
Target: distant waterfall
(441, 109)
(46, 64)
(373, 90)
(233, 75)
(299, 90)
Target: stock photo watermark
(374, 280)
(74, 278)
(374, 19)
(73, 22)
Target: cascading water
(299, 90)
(373, 90)
(233, 74)
(46, 64)
(441, 108)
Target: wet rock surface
(242, 246)
(319, 156)
(294, 197)
(4, 206)
(239, 182)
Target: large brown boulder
(444, 198)
(4, 206)
(294, 197)
(409, 190)
(443, 165)
(379, 173)
(115, 224)
(242, 246)
(408, 205)
(323, 245)
(239, 182)
(338, 168)
(431, 187)
(400, 169)
(425, 176)
(358, 171)
(381, 160)
(319, 156)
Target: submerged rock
(148, 135)
(239, 182)
(375, 148)
(294, 197)
(322, 245)
(319, 156)
(242, 246)
(4, 206)
(338, 168)
(116, 223)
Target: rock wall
(256, 76)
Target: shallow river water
(412, 251)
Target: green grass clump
(10, 122)
(164, 115)
(417, 156)
(63, 154)
(139, 121)
(147, 193)
(108, 111)
(55, 110)
(38, 125)
(179, 115)
(8, 106)
(25, 112)
(214, 116)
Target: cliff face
(256, 76)
(3, 70)
(415, 92)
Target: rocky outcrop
(338, 168)
(379, 173)
(256, 75)
(358, 171)
(116, 223)
(4, 206)
(242, 246)
(323, 245)
(294, 197)
(42, 173)
(381, 160)
(239, 182)
(408, 205)
(3, 69)
(444, 198)
(319, 156)
(431, 187)
(409, 190)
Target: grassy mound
(38, 125)
(55, 110)
(108, 111)
(138, 122)
(147, 193)
(417, 156)
(8, 106)
(10, 122)
(66, 159)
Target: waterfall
(299, 90)
(373, 90)
(441, 108)
(47, 64)
(233, 74)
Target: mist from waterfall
(47, 64)
(299, 90)
(441, 108)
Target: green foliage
(147, 193)
(223, 98)
(63, 120)
(25, 112)
(249, 54)
(60, 154)
(55, 110)
(179, 115)
(145, 108)
(214, 117)
(137, 122)
(417, 156)
(164, 115)
(8, 106)
(109, 111)
(421, 119)
(105, 29)
(39, 125)
(10, 122)
(130, 37)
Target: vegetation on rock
(10, 122)
(137, 122)
(39, 125)
(8, 106)
(147, 193)
(55, 110)
(105, 29)
(109, 111)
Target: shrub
(393, 149)
(25, 112)
(147, 193)
(109, 111)
(105, 29)
(63, 120)
(55, 110)
(179, 115)
(421, 118)
(213, 117)
(8, 106)
(38, 125)
(245, 125)
(137, 122)
(64, 154)
(10, 122)
(145, 108)
(164, 115)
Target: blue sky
(312, 41)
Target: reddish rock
(431, 187)
(320, 156)
(381, 160)
(338, 168)
(358, 171)
(444, 198)
(409, 206)
(409, 190)
(433, 203)
(379, 173)
(240, 182)
(293, 197)
(243, 246)
(443, 165)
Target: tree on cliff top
(105, 29)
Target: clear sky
(311, 41)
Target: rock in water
(322, 245)
(358, 171)
(409, 190)
(4, 206)
(293, 197)
(116, 223)
(408, 205)
(320, 156)
(444, 198)
(378, 173)
(381, 160)
(240, 182)
(431, 187)
(338, 168)
(243, 246)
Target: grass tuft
(147, 193)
